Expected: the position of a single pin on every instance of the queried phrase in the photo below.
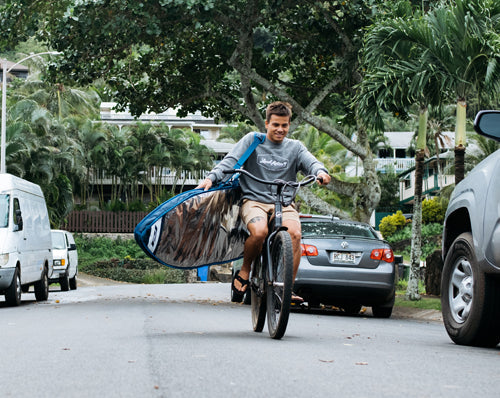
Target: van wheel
(64, 282)
(42, 287)
(72, 282)
(13, 292)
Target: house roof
(17, 68)
(403, 139)
(218, 146)
(399, 139)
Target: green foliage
(136, 271)
(428, 230)
(431, 235)
(137, 205)
(390, 224)
(122, 260)
(389, 186)
(432, 211)
(99, 248)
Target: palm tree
(397, 78)
(458, 42)
(235, 133)
(92, 139)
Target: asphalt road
(189, 341)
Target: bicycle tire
(279, 288)
(258, 295)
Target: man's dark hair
(278, 108)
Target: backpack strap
(259, 138)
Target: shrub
(432, 211)
(390, 224)
(136, 271)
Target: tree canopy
(227, 59)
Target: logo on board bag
(154, 236)
(271, 162)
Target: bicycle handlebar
(296, 184)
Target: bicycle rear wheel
(258, 295)
(279, 293)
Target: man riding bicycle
(277, 157)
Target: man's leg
(295, 233)
(257, 227)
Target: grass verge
(425, 303)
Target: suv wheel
(470, 299)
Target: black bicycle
(271, 278)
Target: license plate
(343, 257)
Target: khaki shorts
(251, 209)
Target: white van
(25, 240)
(65, 258)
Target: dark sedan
(347, 265)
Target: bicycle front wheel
(279, 288)
(258, 295)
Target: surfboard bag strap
(197, 228)
(258, 139)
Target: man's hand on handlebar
(206, 184)
(323, 178)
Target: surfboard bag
(197, 228)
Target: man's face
(277, 128)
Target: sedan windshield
(333, 229)
(4, 210)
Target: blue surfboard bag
(197, 228)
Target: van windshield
(58, 240)
(4, 210)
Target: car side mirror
(72, 246)
(487, 123)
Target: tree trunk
(460, 140)
(433, 271)
(416, 227)
(459, 163)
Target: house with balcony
(398, 153)
(436, 176)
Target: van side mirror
(72, 246)
(19, 220)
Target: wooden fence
(103, 221)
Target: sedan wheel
(470, 300)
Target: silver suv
(470, 284)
